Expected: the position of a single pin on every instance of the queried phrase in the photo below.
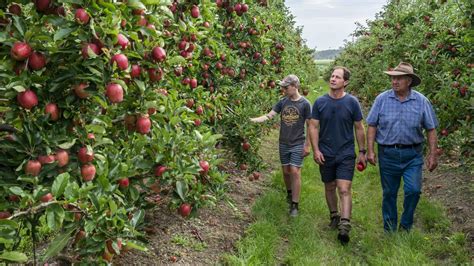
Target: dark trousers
(395, 163)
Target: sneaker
(289, 198)
(335, 219)
(293, 212)
(344, 229)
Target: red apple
(46, 159)
(81, 16)
(110, 248)
(124, 182)
(143, 125)
(155, 74)
(13, 198)
(190, 103)
(246, 146)
(121, 60)
(193, 83)
(197, 122)
(88, 172)
(122, 41)
(160, 170)
(36, 61)
(195, 11)
(53, 111)
(185, 209)
(243, 167)
(84, 156)
(444, 132)
(15, 9)
(33, 167)
(5, 215)
(136, 70)
(159, 54)
(27, 99)
(62, 157)
(89, 48)
(42, 5)
(206, 24)
(79, 90)
(178, 71)
(256, 175)
(360, 167)
(47, 197)
(20, 51)
(114, 92)
(199, 110)
(204, 166)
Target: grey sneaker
(293, 212)
(344, 229)
(335, 219)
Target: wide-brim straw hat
(405, 69)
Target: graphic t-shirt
(293, 117)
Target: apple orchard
(108, 108)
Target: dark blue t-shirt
(336, 123)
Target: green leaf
(96, 129)
(136, 246)
(17, 191)
(14, 256)
(140, 85)
(54, 216)
(138, 217)
(112, 206)
(177, 60)
(62, 33)
(58, 244)
(136, 4)
(156, 2)
(67, 145)
(181, 188)
(59, 184)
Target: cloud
(326, 23)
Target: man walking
(396, 122)
(334, 117)
(295, 112)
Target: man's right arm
(314, 138)
(264, 118)
(371, 131)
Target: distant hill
(327, 54)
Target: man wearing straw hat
(396, 122)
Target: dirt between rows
(214, 231)
(205, 237)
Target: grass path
(306, 239)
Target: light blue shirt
(401, 122)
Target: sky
(326, 23)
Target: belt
(401, 146)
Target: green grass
(305, 240)
(275, 239)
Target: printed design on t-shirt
(290, 115)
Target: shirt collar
(411, 95)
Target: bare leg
(295, 183)
(345, 196)
(331, 197)
(286, 169)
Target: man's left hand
(432, 161)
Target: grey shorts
(339, 167)
(291, 154)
